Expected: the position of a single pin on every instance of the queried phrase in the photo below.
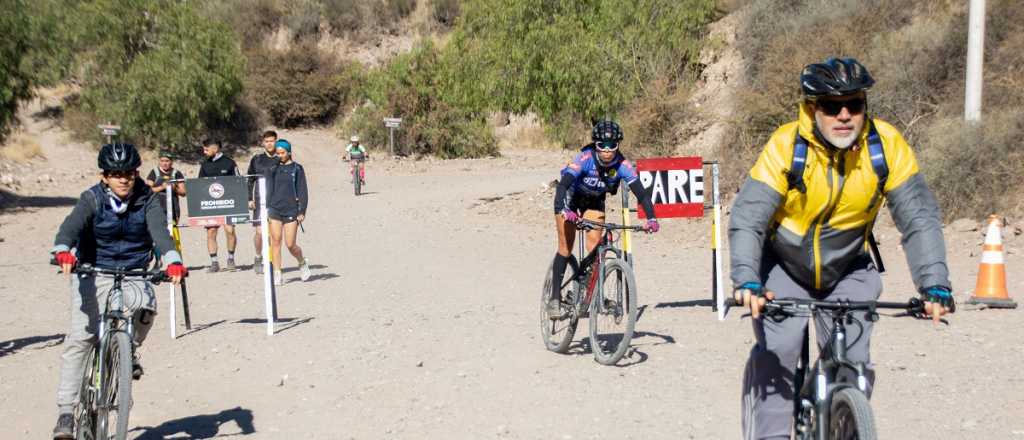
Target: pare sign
(675, 185)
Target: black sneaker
(65, 428)
(214, 267)
(231, 265)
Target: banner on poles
(215, 201)
(674, 184)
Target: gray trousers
(768, 389)
(88, 302)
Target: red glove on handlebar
(176, 270)
(65, 257)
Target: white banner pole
(268, 284)
(719, 290)
(170, 286)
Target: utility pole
(975, 58)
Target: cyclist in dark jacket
(289, 197)
(260, 164)
(115, 224)
(808, 240)
(593, 173)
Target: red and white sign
(675, 185)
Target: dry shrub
(524, 131)
(259, 19)
(360, 19)
(21, 148)
(975, 170)
(648, 122)
(301, 85)
(444, 12)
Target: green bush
(15, 80)
(161, 70)
(415, 86)
(573, 60)
(301, 85)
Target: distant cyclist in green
(355, 153)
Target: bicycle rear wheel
(613, 313)
(558, 333)
(85, 412)
(850, 417)
(115, 388)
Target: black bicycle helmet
(119, 157)
(835, 77)
(606, 131)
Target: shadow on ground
(281, 324)
(15, 345)
(11, 201)
(201, 327)
(200, 427)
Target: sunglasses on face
(119, 174)
(606, 146)
(833, 108)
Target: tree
(15, 80)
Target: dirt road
(421, 323)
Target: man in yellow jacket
(800, 225)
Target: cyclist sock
(213, 257)
(231, 255)
(557, 273)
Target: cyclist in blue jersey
(593, 173)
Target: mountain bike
(601, 287)
(358, 172)
(105, 398)
(829, 406)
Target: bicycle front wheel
(356, 181)
(115, 388)
(85, 412)
(613, 313)
(557, 332)
(850, 417)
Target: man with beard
(799, 230)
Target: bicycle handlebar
(791, 305)
(155, 277)
(590, 224)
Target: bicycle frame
(590, 267)
(819, 383)
(819, 386)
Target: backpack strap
(796, 167)
(877, 153)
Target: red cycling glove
(176, 270)
(65, 257)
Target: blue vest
(119, 240)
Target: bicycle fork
(821, 383)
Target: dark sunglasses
(119, 174)
(833, 108)
(606, 146)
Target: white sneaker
(278, 278)
(304, 267)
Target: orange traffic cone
(991, 288)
